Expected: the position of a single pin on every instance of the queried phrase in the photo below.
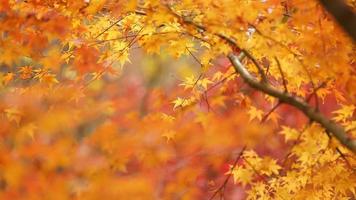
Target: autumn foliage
(176, 99)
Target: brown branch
(296, 102)
(259, 68)
(295, 55)
(314, 115)
(343, 14)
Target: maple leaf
(49, 79)
(150, 44)
(111, 123)
(252, 158)
(29, 129)
(86, 59)
(94, 6)
(178, 102)
(119, 46)
(219, 101)
(189, 82)
(14, 114)
(289, 133)
(269, 166)
(8, 77)
(344, 113)
(181, 102)
(241, 175)
(254, 113)
(259, 189)
(26, 72)
(203, 83)
(169, 135)
(218, 76)
(168, 118)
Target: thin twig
(254, 169)
(109, 27)
(195, 58)
(264, 118)
(220, 82)
(323, 84)
(282, 74)
(229, 175)
(343, 156)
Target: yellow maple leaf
(169, 135)
(203, 83)
(344, 113)
(269, 166)
(289, 133)
(189, 82)
(167, 118)
(254, 113)
(180, 102)
(219, 101)
(218, 76)
(252, 158)
(7, 78)
(94, 6)
(242, 175)
(13, 114)
(119, 46)
(29, 129)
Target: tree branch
(259, 68)
(343, 14)
(296, 102)
(300, 104)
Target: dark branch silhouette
(343, 14)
